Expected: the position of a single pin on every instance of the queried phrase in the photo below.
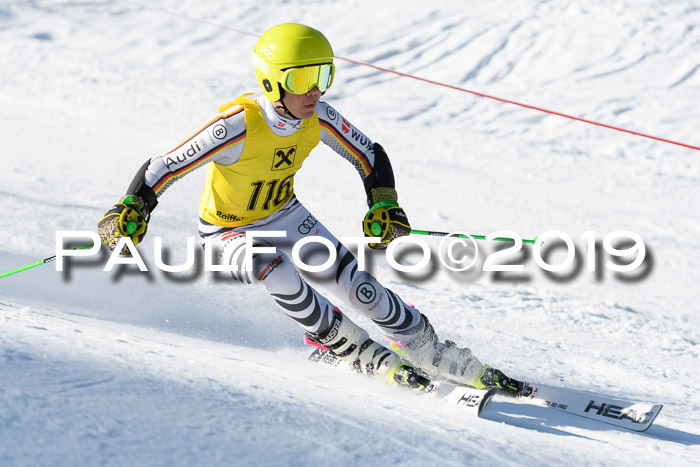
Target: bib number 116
(276, 192)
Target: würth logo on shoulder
(284, 158)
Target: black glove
(128, 218)
(385, 219)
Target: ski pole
(130, 228)
(476, 237)
(43, 261)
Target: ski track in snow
(155, 369)
(123, 393)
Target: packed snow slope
(131, 368)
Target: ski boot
(491, 377)
(441, 360)
(352, 344)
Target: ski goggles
(304, 79)
(299, 80)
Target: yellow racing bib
(262, 180)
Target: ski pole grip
(131, 227)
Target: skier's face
(302, 105)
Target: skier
(253, 148)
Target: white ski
(633, 416)
(630, 415)
(471, 400)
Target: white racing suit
(277, 273)
(252, 154)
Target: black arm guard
(382, 175)
(138, 187)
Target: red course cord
(387, 70)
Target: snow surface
(130, 368)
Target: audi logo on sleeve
(308, 224)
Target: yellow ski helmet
(293, 57)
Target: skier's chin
(307, 111)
